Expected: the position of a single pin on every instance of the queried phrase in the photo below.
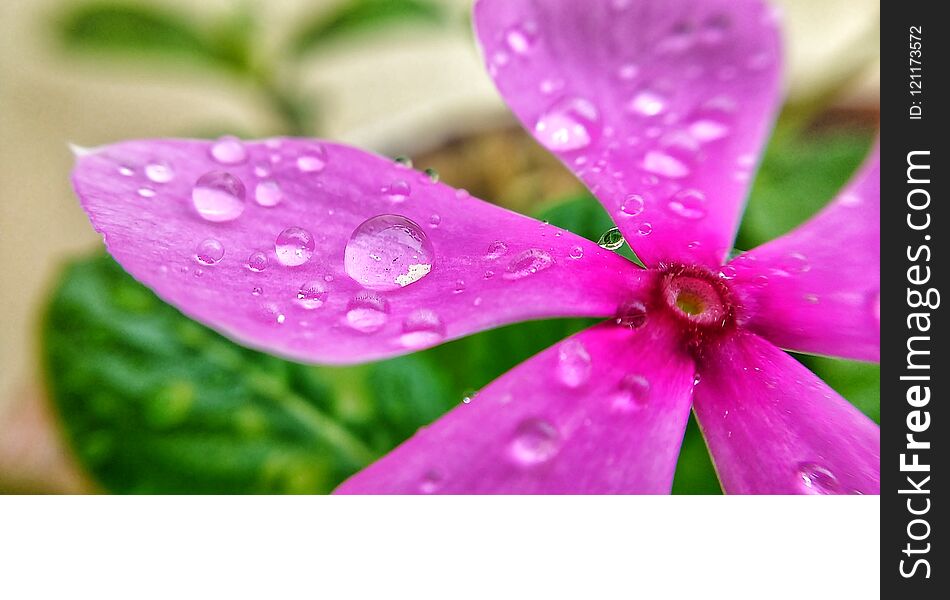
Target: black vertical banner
(915, 57)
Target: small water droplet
(218, 197)
(313, 161)
(387, 252)
(535, 441)
(146, 192)
(403, 161)
(794, 264)
(707, 130)
(159, 172)
(294, 246)
(633, 393)
(209, 252)
(432, 176)
(628, 71)
(727, 272)
(521, 38)
(256, 262)
(647, 103)
(126, 171)
(577, 252)
(468, 396)
(612, 239)
(573, 363)
(312, 294)
(256, 291)
(462, 194)
(496, 249)
(550, 86)
(435, 221)
(268, 193)
(568, 125)
(229, 150)
(818, 479)
(421, 329)
(430, 483)
(645, 229)
(271, 314)
(632, 205)
(631, 314)
(367, 312)
(398, 191)
(689, 204)
(528, 262)
(663, 164)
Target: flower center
(697, 297)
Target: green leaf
(356, 16)
(124, 30)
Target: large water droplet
(689, 204)
(209, 252)
(229, 150)
(218, 196)
(633, 393)
(312, 294)
(159, 172)
(367, 312)
(612, 239)
(527, 263)
(818, 479)
(421, 329)
(570, 124)
(663, 164)
(388, 252)
(268, 193)
(573, 363)
(294, 246)
(535, 441)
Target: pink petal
(485, 266)
(603, 412)
(773, 427)
(660, 107)
(817, 289)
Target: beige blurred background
(401, 92)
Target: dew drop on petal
(632, 205)
(794, 264)
(312, 294)
(218, 197)
(632, 394)
(268, 193)
(294, 246)
(256, 291)
(398, 191)
(496, 249)
(727, 272)
(146, 192)
(817, 479)
(645, 229)
(431, 175)
(256, 262)
(159, 172)
(528, 263)
(313, 160)
(367, 312)
(535, 441)
(707, 130)
(573, 363)
(631, 314)
(387, 252)
(661, 163)
(422, 328)
(435, 221)
(689, 204)
(521, 38)
(430, 483)
(647, 103)
(612, 239)
(209, 252)
(403, 161)
(229, 150)
(568, 125)
(577, 252)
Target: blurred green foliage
(226, 42)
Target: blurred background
(103, 388)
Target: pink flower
(324, 253)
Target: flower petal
(269, 270)
(773, 427)
(602, 412)
(817, 288)
(660, 107)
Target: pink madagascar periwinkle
(328, 254)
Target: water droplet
(631, 314)
(367, 312)
(430, 483)
(521, 39)
(435, 221)
(612, 239)
(647, 103)
(459, 286)
(707, 130)
(817, 479)
(663, 164)
(312, 294)
(468, 396)
(388, 252)
(403, 161)
(229, 150)
(159, 172)
(794, 264)
(462, 194)
(577, 252)
(294, 246)
(570, 124)
(728, 272)
(633, 393)
(146, 192)
(632, 205)
(432, 176)
(268, 193)
(527, 263)
(689, 204)
(209, 252)
(645, 229)
(398, 191)
(256, 291)
(496, 249)
(628, 71)
(489, 274)
(126, 171)
(314, 161)
(271, 314)
(256, 262)
(421, 329)
(218, 196)
(535, 441)
(550, 86)
(811, 298)
(573, 363)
